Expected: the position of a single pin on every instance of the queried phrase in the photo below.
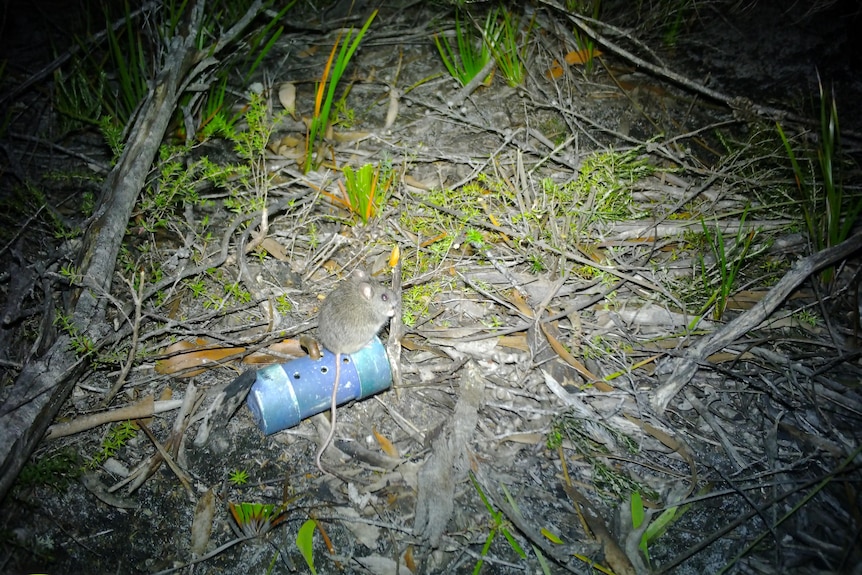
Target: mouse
(349, 318)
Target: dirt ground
(557, 242)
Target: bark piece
(448, 463)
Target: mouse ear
(366, 290)
(359, 275)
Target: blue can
(285, 394)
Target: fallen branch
(45, 383)
(683, 368)
(140, 410)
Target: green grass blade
(318, 123)
(305, 543)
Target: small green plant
(283, 304)
(82, 344)
(251, 146)
(416, 300)
(130, 62)
(34, 197)
(255, 519)
(328, 84)
(475, 238)
(586, 46)
(71, 274)
(365, 189)
(305, 543)
(119, 435)
(728, 264)
(583, 435)
(238, 477)
(235, 290)
(88, 203)
(657, 526)
(677, 15)
(499, 524)
(807, 317)
(603, 186)
(215, 118)
(262, 42)
(177, 186)
(638, 517)
(343, 115)
(508, 44)
(829, 214)
(58, 470)
(79, 96)
(473, 51)
(197, 286)
(537, 264)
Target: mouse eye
(384, 297)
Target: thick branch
(45, 383)
(686, 366)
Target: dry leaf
(287, 97)
(433, 240)
(202, 524)
(514, 341)
(414, 183)
(581, 56)
(555, 71)
(289, 347)
(392, 111)
(592, 252)
(310, 51)
(519, 302)
(569, 358)
(274, 249)
(198, 356)
(745, 299)
(347, 137)
(408, 559)
(386, 445)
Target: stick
(141, 410)
(686, 366)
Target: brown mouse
(349, 318)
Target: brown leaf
(568, 358)
(310, 51)
(745, 299)
(387, 446)
(519, 302)
(555, 71)
(287, 97)
(408, 559)
(198, 355)
(394, 256)
(581, 56)
(291, 347)
(202, 524)
(518, 341)
(670, 442)
(274, 249)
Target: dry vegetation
(629, 325)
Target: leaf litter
(555, 354)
